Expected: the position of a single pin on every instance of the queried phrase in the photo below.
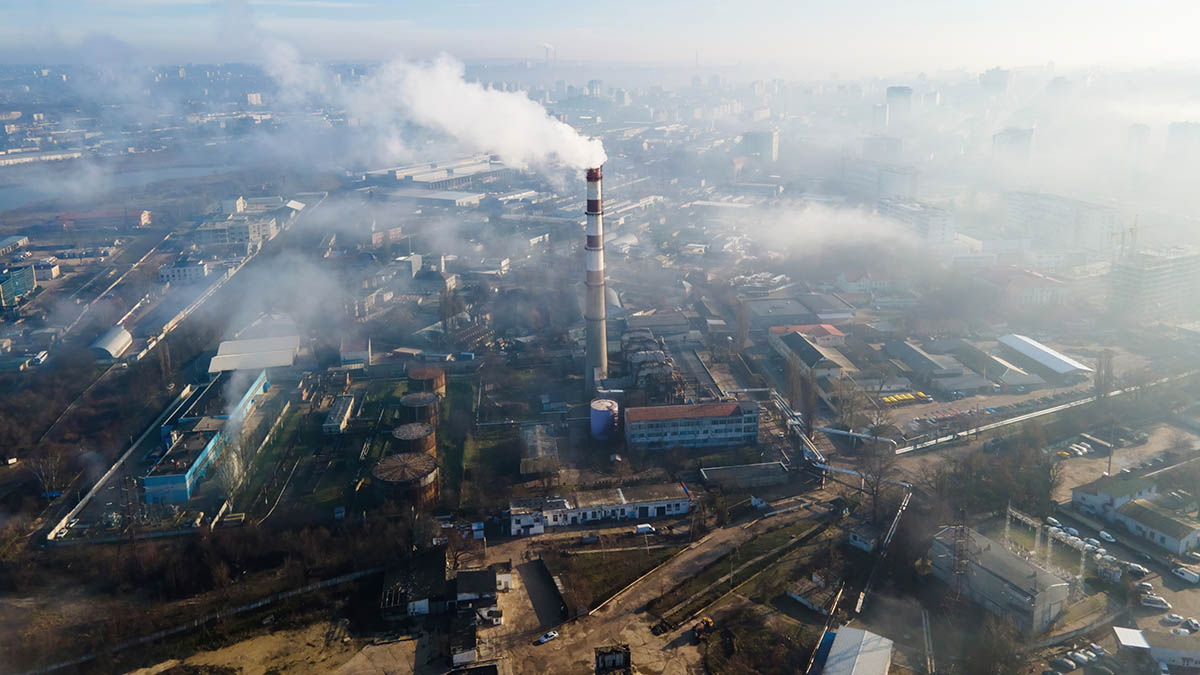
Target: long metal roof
(272, 344)
(114, 342)
(1056, 361)
(252, 360)
(858, 652)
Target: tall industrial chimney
(594, 311)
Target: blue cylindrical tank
(604, 418)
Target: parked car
(1072, 531)
(1137, 571)
(1192, 625)
(1193, 556)
(1053, 522)
(1172, 619)
(1107, 537)
(1063, 665)
(1180, 631)
(550, 635)
(1094, 542)
(1096, 648)
(1144, 586)
(1156, 602)
(1078, 658)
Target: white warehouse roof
(858, 652)
(114, 342)
(255, 354)
(259, 345)
(1056, 361)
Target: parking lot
(1081, 470)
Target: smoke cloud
(435, 95)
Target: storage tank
(427, 378)
(416, 437)
(604, 418)
(407, 477)
(421, 406)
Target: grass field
(606, 573)
(487, 464)
(457, 415)
(720, 569)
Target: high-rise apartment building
(1157, 284)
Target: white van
(1187, 574)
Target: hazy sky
(848, 37)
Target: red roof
(677, 412)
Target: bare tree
(50, 465)
(231, 465)
(877, 463)
(461, 546)
(847, 398)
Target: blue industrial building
(195, 435)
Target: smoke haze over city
(356, 336)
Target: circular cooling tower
(409, 476)
(416, 437)
(421, 406)
(427, 378)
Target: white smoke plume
(435, 96)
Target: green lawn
(486, 463)
(606, 573)
(457, 416)
(331, 490)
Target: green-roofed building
(1103, 496)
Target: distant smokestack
(594, 311)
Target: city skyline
(818, 39)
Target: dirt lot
(318, 648)
(624, 621)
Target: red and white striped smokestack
(594, 310)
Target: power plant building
(700, 425)
(196, 434)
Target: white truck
(644, 528)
